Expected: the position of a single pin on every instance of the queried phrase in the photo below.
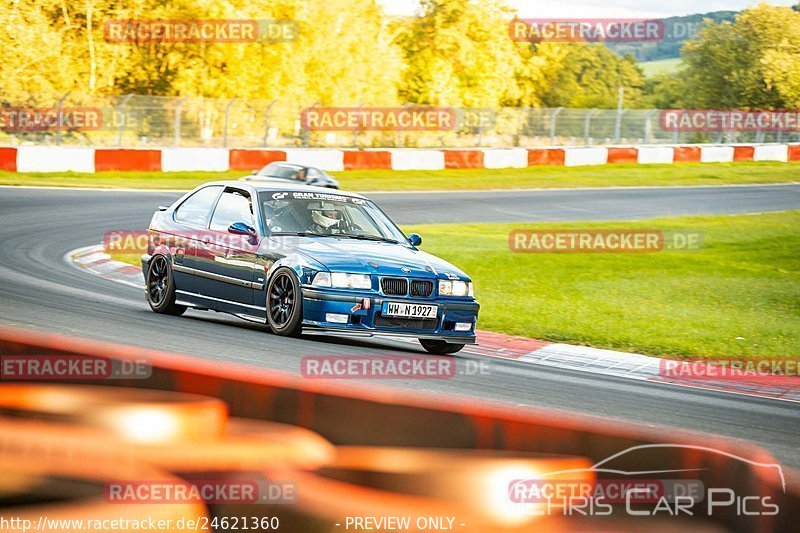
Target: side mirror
(240, 228)
(414, 239)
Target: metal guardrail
(137, 121)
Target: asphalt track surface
(39, 291)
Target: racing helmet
(324, 214)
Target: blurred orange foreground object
(140, 415)
(65, 495)
(149, 431)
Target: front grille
(405, 323)
(421, 288)
(394, 286)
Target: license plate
(408, 310)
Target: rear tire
(160, 284)
(440, 347)
(285, 304)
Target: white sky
(604, 8)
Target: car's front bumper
(317, 303)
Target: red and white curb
(523, 350)
(91, 159)
(93, 259)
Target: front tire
(440, 347)
(160, 285)
(285, 304)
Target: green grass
(622, 175)
(661, 66)
(744, 282)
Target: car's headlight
(455, 288)
(342, 280)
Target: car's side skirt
(219, 277)
(192, 299)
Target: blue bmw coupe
(304, 259)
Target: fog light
(336, 318)
(463, 326)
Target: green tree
(590, 75)
(458, 52)
(749, 63)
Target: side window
(196, 209)
(313, 175)
(233, 206)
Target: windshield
(280, 171)
(323, 214)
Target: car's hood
(371, 257)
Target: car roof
(267, 184)
(285, 164)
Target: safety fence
(137, 121)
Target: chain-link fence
(158, 121)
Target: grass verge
(621, 175)
(737, 296)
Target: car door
(190, 219)
(226, 261)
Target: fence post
(58, 117)
(177, 122)
(587, 125)
(648, 126)
(122, 117)
(355, 131)
(553, 119)
(618, 125)
(399, 141)
(266, 122)
(225, 130)
(305, 132)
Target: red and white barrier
(510, 158)
(771, 152)
(655, 155)
(323, 158)
(54, 159)
(194, 159)
(417, 159)
(589, 155)
(82, 159)
(716, 154)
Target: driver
(326, 218)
